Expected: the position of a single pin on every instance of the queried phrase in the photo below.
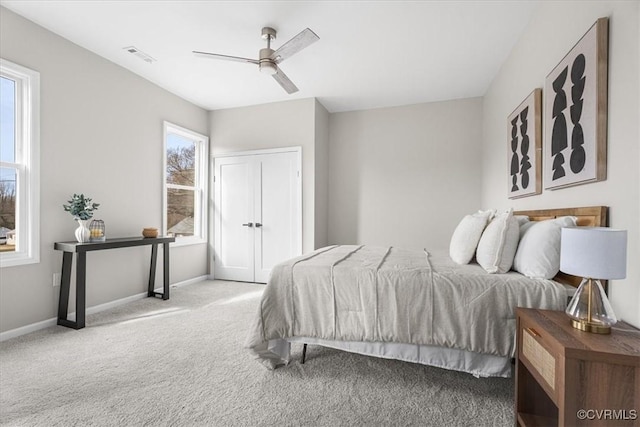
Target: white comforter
(375, 294)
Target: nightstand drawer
(540, 359)
(536, 352)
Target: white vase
(82, 232)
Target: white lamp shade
(594, 252)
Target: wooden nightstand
(566, 377)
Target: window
(185, 185)
(19, 165)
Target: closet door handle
(249, 224)
(258, 225)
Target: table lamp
(594, 253)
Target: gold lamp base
(594, 328)
(589, 310)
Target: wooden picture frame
(525, 147)
(575, 113)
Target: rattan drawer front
(538, 356)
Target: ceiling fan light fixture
(268, 67)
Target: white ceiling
(370, 53)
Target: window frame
(27, 164)
(201, 198)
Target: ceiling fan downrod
(267, 65)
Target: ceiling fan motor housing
(267, 65)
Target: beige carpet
(181, 363)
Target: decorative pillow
(499, 243)
(526, 226)
(538, 254)
(522, 219)
(466, 236)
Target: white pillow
(466, 236)
(522, 219)
(538, 254)
(499, 243)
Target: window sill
(17, 259)
(187, 241)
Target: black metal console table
(69, 248)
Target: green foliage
(80, 207)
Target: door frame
(213, 186)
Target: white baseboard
(189, 281)
(12, 333)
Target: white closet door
(234, 223)
(258, 213)
(277, 212)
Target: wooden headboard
(593, 216)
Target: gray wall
(101, 135)
(404, 176)
(552, 32)
(322, 176)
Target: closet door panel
(234, 231)
(276, 206)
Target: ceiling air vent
(140, 54)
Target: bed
(416, 306)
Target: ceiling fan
(269, 59)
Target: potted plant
(82, 210)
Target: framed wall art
(525, 147)
(575, 113)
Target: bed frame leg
(304, 353)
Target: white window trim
(201, 180)
(29, 155)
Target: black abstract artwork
(524, 147)
(575, 113)
(559, 135)
(577, 136)
(515, 162)
(525, 164)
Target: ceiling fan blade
(226, 57)
(296, 44)
(284, 81)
